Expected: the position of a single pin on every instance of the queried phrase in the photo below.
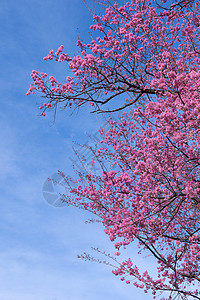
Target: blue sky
(39, 242)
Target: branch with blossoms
(142, 51)
(148, 196)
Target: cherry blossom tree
(145, 55)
